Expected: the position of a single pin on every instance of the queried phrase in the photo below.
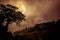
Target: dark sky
(37, 11)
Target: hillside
(43, 31)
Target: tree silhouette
(8, 14)
(42, 31)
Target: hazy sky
(37, 11)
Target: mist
(37, 11)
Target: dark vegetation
(42, 31)
(8, 14)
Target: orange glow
(22, 8)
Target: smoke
(41, 11)
(37, 11)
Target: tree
(8, 14)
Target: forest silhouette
(42, 31)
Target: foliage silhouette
(8, 14)
(42, 31)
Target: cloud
(40, 11)
(37, 11)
